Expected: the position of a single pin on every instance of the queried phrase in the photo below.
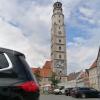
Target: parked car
(17, 82)
(68, 91)
(84, 92)
(60, 90)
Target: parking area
(62, 97)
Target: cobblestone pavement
(62, 97)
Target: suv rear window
(21, 68)
(3, 61)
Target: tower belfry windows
(58, 5)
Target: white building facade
(98, 69)
(93, 78)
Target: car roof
(13, 52)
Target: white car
(59, 91)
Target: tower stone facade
(58, 40)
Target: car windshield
(84, 89)
(93, 89)
(61, 87)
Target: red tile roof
(35, 70)
(45, 71)
(48, 64)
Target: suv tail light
(29, 86)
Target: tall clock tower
(58, 40)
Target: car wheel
(83, 95)
(60, 93)
(99, 95)
(66, 94)
(75, 96)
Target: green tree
(54, 80)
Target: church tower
(58, 40)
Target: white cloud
(32, 23)
(81, 56)
(83, 52)
(83, 48)
(28, 22)
(88, 12)
(26, 27)
(12, 38)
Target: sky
(25, 26)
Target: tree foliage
(54, 80)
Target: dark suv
(17, 82)
(84, 92)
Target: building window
(54, 23)
(59, 40)
(59, 15)
(59, 21)
(51, 53)
(58, 5)
(59, 47)
(59, 56)
(59, 27)
(59, 32)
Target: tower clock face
(59, 64)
